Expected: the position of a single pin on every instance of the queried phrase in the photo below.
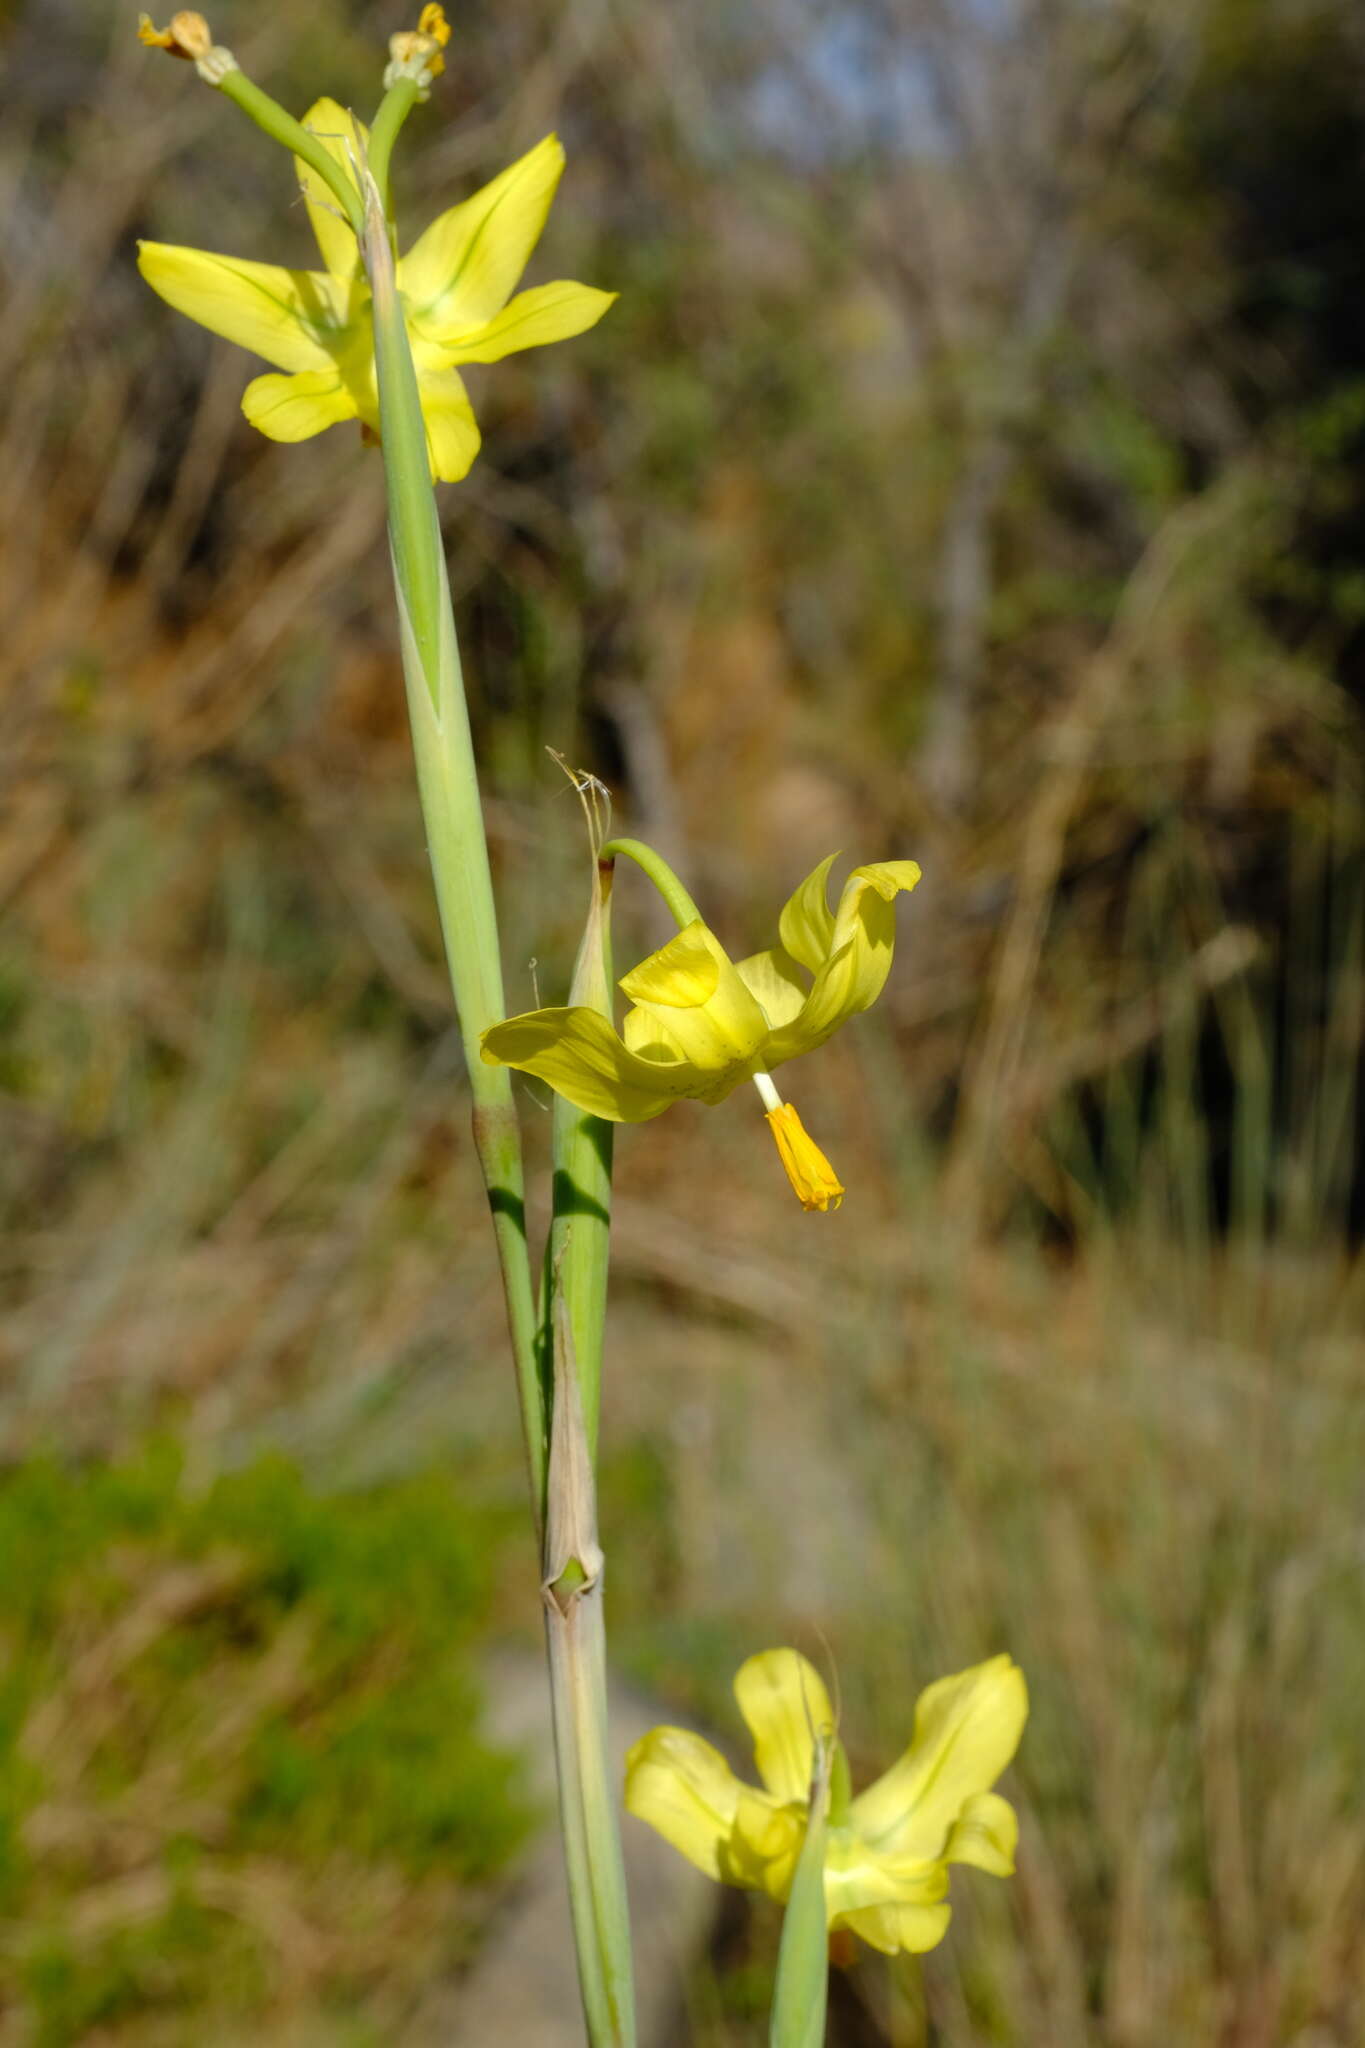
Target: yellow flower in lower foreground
(455, 283)
(888, 1850)
(703, 1023)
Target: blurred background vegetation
(972, 469)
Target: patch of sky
(840, 82)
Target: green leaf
(798, 2017)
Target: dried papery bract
(575, 1632)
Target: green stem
(281, 126)
(397, 103)
(561, 1463)
(414, 530)
(448, 786)
(683, 909)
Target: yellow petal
(294, 408)
(691, 989)
(890, 1928)
(577, 1052)
(687, 1792)
(887, 877)
(296, 319)
(805, 926)
(645, 1035)
(986, 1834)
(783, 1699)
(549, 312)
(816, 1183)
(463, 269)
(967, 1728)
(345, 140)
(774, 979)
(853, 975)
(453, 438)
(857, 1876)
(764, 1845)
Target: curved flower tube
(701, 1023)
(456, 283)
(888, 1850)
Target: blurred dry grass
(1077, 1370)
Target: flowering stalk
(376, 338)
(561, 1468)
(448, 788)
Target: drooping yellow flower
(702, 1023)
(456, 283)
(888, 1850)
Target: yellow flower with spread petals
(887, 1850)
(701, 1023)
(456, 284)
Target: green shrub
(240, 1757)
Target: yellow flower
(702, 1023)
(456, 284)
(887, 1851)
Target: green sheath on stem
(577, 1250)
(575, 1634)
